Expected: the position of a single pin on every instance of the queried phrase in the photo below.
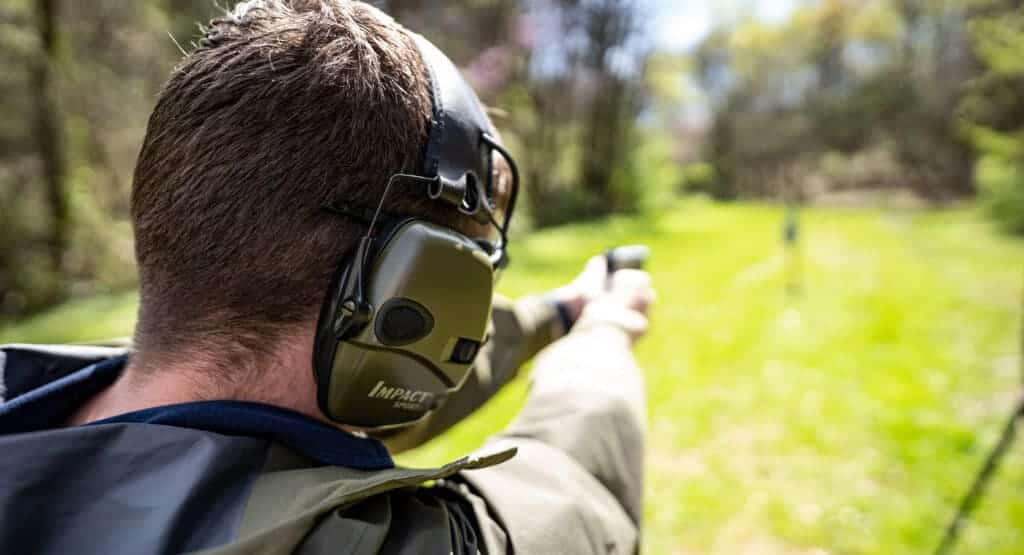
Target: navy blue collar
(52, 404)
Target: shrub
(1001, 190)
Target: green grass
(846, 419)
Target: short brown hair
(285, 106)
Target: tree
(79, 80)
(49, 133)
(843, 95)
(993, 109)
(569, 74)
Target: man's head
(285, 107)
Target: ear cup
(426, 307)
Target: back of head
(285, 106)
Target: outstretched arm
(519, 330)
(578, 473)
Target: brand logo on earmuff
(409, 399)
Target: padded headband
(455, 144)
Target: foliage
(79, 81)
(993, 110)
(650, 177)
(848, 419)
(569, 76)
(913, 94)
(839, 76)
(81, 77)
(698, 177)
(1001, 179)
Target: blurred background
(833, 191)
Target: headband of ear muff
(455, 152)
(406, 314)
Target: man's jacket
(230, 477)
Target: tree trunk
(49, 132)
(606, 133)
(605, 138)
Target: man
(209, 436)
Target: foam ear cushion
(403, 321)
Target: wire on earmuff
(514, 192)
(500, 256)
(364, 243)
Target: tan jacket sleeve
(578, 476)
(518, 331)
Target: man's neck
(132, 392)
(283, 379)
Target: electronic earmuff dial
(402, 321)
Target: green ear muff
(405, 338)
(406, 314)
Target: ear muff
(408, 315)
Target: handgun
(629, 256)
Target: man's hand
(587, 286)
(624, 305)
(593, 299)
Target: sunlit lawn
(847, 418)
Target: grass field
(847, 418)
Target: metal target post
(791, 236)
(791, 241)
(992, 461)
